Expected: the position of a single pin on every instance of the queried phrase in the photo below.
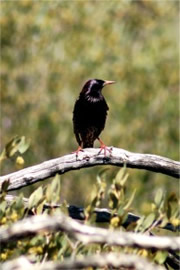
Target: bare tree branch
(89, 158)
(102, 214)
(86, 234)
(114, 260)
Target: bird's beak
(108, 82)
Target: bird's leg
(103, 147)
(78, 150)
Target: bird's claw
(77, 151)
(105, 149)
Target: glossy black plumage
(90, 112)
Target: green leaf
(16, 144)
(130, 200)
(113, 200)
(64, 241)
(121, 177)
(19, 203)
(5, 185)
(163, 222)
(53, 190)
(12, 146)
(172, 197)
(37, 240)
(39, 208)
(3, 206)
(169, 210)
(148, 221)
(120, 211)
(101, 173)
(160, 256)
(36, 198)
(139, 224)
(24, 145)
(158, 197)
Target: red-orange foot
(104, 148)
(78, 150)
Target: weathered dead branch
(89, 158)
(112, 260)
(86, 234)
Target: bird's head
(92, 88)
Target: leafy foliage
(48, 50)
(15, 147)
(57, 245)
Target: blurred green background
(49, 49)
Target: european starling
(89, 114)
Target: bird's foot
(105, 149)
(77, 151)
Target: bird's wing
(76, 116)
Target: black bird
(89, 114)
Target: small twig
(155, 223)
